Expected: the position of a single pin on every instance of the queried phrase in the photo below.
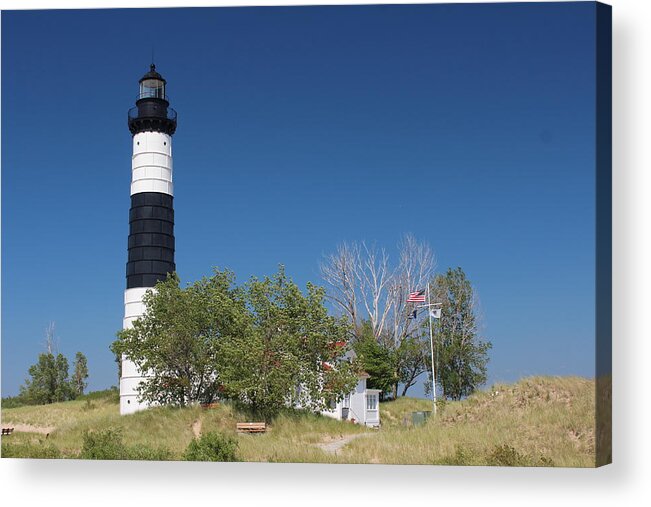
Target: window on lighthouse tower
(152, 88)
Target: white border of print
(70, 482)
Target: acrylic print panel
(383, 235)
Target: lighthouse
(152, 124)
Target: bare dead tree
(359, 278)
(340, 271)
(375, 277)
(364, 285)
(50, 340)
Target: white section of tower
(131, 376)
(151, 171)
(151, 164)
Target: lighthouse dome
(152, 74)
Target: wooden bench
(251, 427)
(7, 431)
(207, 406)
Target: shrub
(88, 406)
(111, 395)
(13, 402)
(212, 447)
(30, 450)
(461, 457)
(145, 453)
(107, 444)
(507, 456)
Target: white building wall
(334, 413)
(358, 403)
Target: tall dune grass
(539, 421)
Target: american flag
(416, 297)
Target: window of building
(371, 402)
(346, 403)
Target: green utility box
(418, 418)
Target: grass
(544, 420)
(539, 421)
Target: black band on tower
(151, 239)
(153, 115)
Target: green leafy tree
(461, 354)
(48, 382)
(40, 387)
(411, 361)
(63, 390)
(177, 340)
(389, 365)
(80, 374)
(376, 359)
(293, 353)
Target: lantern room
(152, 85)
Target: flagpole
(431, 342)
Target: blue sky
(470, 126)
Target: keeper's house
(361, 406)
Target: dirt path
(28, 428)
(333, 446)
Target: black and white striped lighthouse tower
(151, 217)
